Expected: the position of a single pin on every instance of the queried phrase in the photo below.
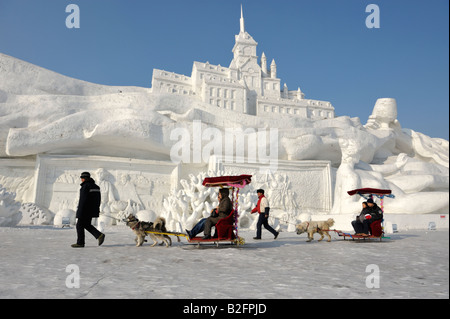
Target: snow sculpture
(34, 215)
(346, 177)
(184, 207)
(384, 114)
(246, 86)
(129, 132)
(10, 214)
(420, 180)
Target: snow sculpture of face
(350, 151)
(385, 111)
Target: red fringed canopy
(374, 191)
(233, 181)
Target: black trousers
(85, 223)
(361, 227)
(264, 221)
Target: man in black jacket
(374, 210)
(88, 208)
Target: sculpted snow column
(346, 178)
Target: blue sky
(323, 46)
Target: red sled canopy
(374, 191)
(231, 181)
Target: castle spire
(242, 21)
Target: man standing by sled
(262, 208)
(88, 208)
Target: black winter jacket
(376, 212)
(89, 204)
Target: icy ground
(34, 263)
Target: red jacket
(257, 208)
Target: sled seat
(376, 229)
(225, 227)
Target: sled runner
(376, 228)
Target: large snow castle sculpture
(53, 127)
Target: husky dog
(312, 227)
(140, 228)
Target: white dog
(312, 227)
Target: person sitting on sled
(361, 224)
(370, 213)
(223, 210)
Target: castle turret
(242, 22)
(273, 69)
(300, 94)
(244, 48)
(285, 91)
(264, 64)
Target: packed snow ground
(35, 263)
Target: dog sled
(226, 229)
(376, 228)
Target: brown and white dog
(312, 227)
(140, 228)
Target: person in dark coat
(361, 224)
(223, 210)
(375, 210)
(370, 213)
(88, 208)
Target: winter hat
(370, 200)
(85, 175)
(224, 191)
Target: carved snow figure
(10, 214)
